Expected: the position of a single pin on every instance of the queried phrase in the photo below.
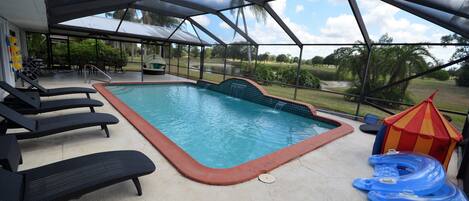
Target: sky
(329, 21)
(323, 21)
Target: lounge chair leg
(138, 186)
(104, 127)
(92, 109)
(88, 95)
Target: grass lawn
(449, 96)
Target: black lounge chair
(73, 178)
(30, 102)
(56, 91)
(53, 125)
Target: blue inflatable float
(449, 192)
(407, 176)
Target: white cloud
(224, 25)
(341, 29)
(379, 17)
(299, 8)
(202, 20)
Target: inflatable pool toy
(404, 176)
(404, 172)
(449, 192)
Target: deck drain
(266, 178)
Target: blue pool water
(218, 131)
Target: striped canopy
(422, 129)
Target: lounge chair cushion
(72, 178)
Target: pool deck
(323, 174)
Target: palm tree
(259, 13)
(130, 16)
(159, 20)
(388, 64)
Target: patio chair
(30, 102)
(54, 125)
(73, 178)
(55, 91)
(372, 124)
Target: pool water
(217, 130)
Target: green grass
(449, 96)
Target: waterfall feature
(237, 90)
(279, 106)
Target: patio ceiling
(75, 14)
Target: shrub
(84, 52)
(463, 77)
(324, 75)
(441, 75)
(306, 78)
(264, 73)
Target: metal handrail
(88, 78)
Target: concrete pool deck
(323, 174)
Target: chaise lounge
(53, 125)
(55, 91)
(30, 102)
(72, 178)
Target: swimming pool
(214, 131)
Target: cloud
(202, 20)
(299, 8)
(380, 18)
(224, 25)
(341, 29)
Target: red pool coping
(192, 169)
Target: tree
(218, 51)
(152, 18)
(195, 52)
(264, 57)
(453, 72)
(461, 51)
(441, 75)
(282, 58)
(37, 46)
(131, 15)
(208, 52)
(388, 64)
(463, 78)
(176, 51)
(257, 10)
(330, 59)
(295, 59)
(235, 52)
(317, 60)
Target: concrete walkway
(324, 174)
